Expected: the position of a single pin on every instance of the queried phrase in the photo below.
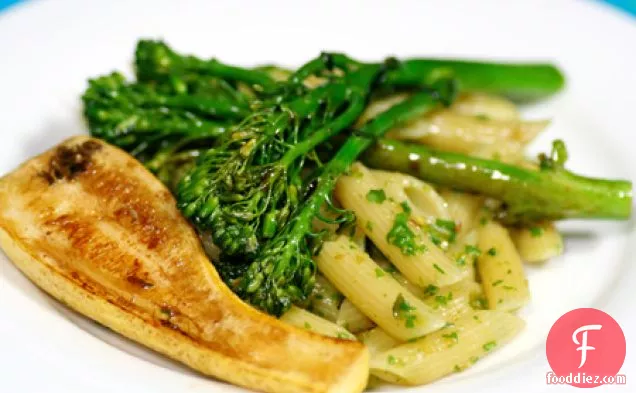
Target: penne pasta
(445, 127)
(537, 243)
(395, 231)
(501, 270)
(305, 320)
(377, 340)
(447, 130)
(352, 319)
(374, 292)
(325, 299)
(451, 349)
(486, 106)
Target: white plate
(49, 49)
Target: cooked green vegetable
(522, 82)
(283, 271)
(155, 61)
(550, 193)
(244, 190)
(518, 81)
(135, 116)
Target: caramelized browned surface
(94, 215)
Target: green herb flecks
(404, 311)
(401, 234)
(489, 346)
(376, 196)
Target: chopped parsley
(307, 326)
(344, 336)
(449, 226)
(376, 196)
(509, 288)
(472, 250)
(469, 251)
(483, 221)
(391, 360)
(536, 231)
(439, 269)
(369, 226)
(401, 234)
(379, 272)
(474, 359)
(452, 336)
(443, 300)
(498, 282)
(442, 232)
(482, 116)
(403, 310)
(431, 290)
(490, 345)
(457, 368)
(492, 251)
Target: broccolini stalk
(154, 61)
(283, 272)
(518, 81)
(522, 82)
(243, 190)
(550, 193)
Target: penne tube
(486, 106)
(501, 270)
(444, 127)
(325, 299)
(449, 131)
(352, 319)
(305, 320)
(392, 227)
(537, 243)
(451, 349)
(374, 292)
(377, 340)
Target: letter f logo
(583, 344)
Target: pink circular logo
(585, 348)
